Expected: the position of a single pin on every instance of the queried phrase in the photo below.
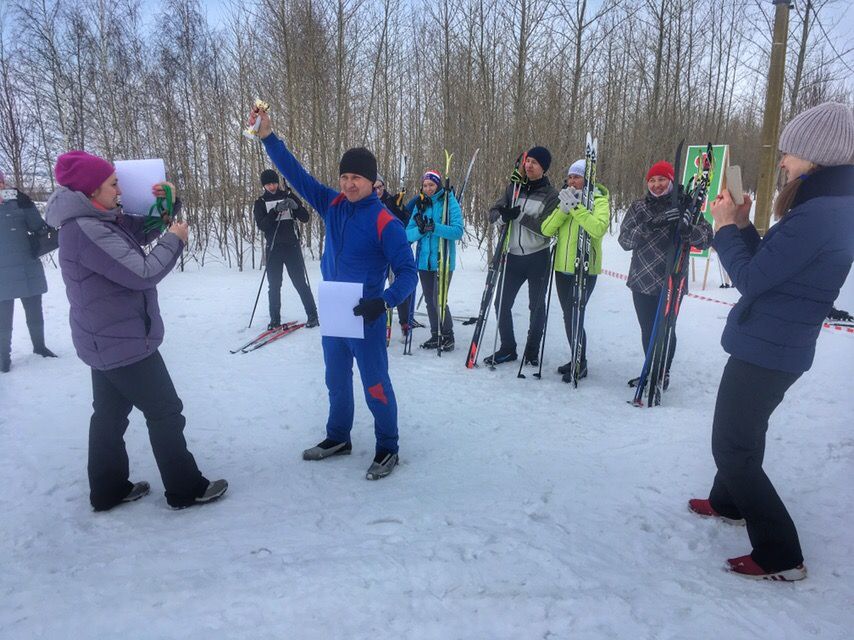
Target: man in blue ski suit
(362, 240)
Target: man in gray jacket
(528, 259)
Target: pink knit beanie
(81, 171)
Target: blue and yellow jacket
(428, 243)
(362, 238)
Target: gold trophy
(251, 132)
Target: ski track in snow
(521, 509)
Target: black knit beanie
(359, 161)
(268, 176)
(541, 155)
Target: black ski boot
(432, 343)
(582, 371)
(501, 356)
(312, 322)
(532, 356)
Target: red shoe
(703, 507)
(745, 566)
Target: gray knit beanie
(823, 135)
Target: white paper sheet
(283, 215)
(335, 302)
(136, 177)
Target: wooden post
(706, 273)
(771, 119)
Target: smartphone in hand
(734, 185)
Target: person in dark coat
(276, 213)
(116, 328)
(788, 281)
(394, 203)
(647, 231)
(21, 274)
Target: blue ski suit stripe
(362, 240)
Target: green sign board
(694, 166)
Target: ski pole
(264, 274)
(548, 301)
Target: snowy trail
(521, 509)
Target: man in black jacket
(394, 203)
(276, 213)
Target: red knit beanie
(661, 168)
(81, 171)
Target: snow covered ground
(521, 509)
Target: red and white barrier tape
(827, 326)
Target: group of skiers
(540, 212)
(788, 280)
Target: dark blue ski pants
(372, 359)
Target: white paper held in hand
(136, 177)
(335, 302)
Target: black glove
(671, 217)
(421, 222)
(370, 308)
(509, 213)
(430, 225)
(288, 204)
(24, 201)
(422, 203)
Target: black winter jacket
(267, 218)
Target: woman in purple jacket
(116, 329)
(788, 281)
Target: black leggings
(747, 396)
(646, 307)
(565, 284)
(430, 287)
(35, 322)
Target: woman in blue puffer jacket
(788, 281)
(426, 228)
(21, 273)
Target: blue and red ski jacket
(362, 238)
